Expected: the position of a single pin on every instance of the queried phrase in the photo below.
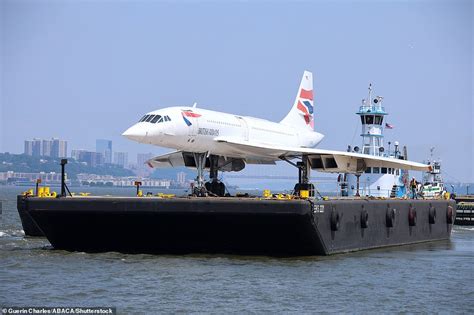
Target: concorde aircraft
(227, 142)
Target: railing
(365, 189)
(465, 213)
(326, 186)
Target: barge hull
(236, 225)
(29, 225)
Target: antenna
(195, 104)
(370, 94)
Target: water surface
(431, 277)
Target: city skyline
(422, 66)
(42, 147)
(58, 148)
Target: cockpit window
(155, 119)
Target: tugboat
(375, 181)
(433, 186)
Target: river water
(432, 277)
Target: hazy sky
(82, 70)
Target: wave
(10, 233)
(462, 228)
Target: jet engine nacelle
(223, 164)
(230, 164)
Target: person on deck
(413, 185)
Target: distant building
(76, 154)
(58, 148)
(142, 168)
(30, 178)
(37, 149)
(28, 147)
(122, 181)
(40, 147)
(105, 147)
(46, 147)
(121, 158)
(91, 158)
(142, 158)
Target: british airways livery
(205, 139)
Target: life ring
(390, 217)
(364, 219)
(432, 215)
(335, 220)
(412, 216)
(450, 215)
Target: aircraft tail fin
(301, 114)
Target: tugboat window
(144, 118)
(161, 120)
(149, 118)
(378, 120)
(376, 170)
(369, 119)
(384, 170)
(368, 170)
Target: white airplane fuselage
(195, 130)
(249, 140)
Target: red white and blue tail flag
(388, 126)
(301, 114)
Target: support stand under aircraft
(214, 187)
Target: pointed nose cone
(136, 133)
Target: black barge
(234, 225)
